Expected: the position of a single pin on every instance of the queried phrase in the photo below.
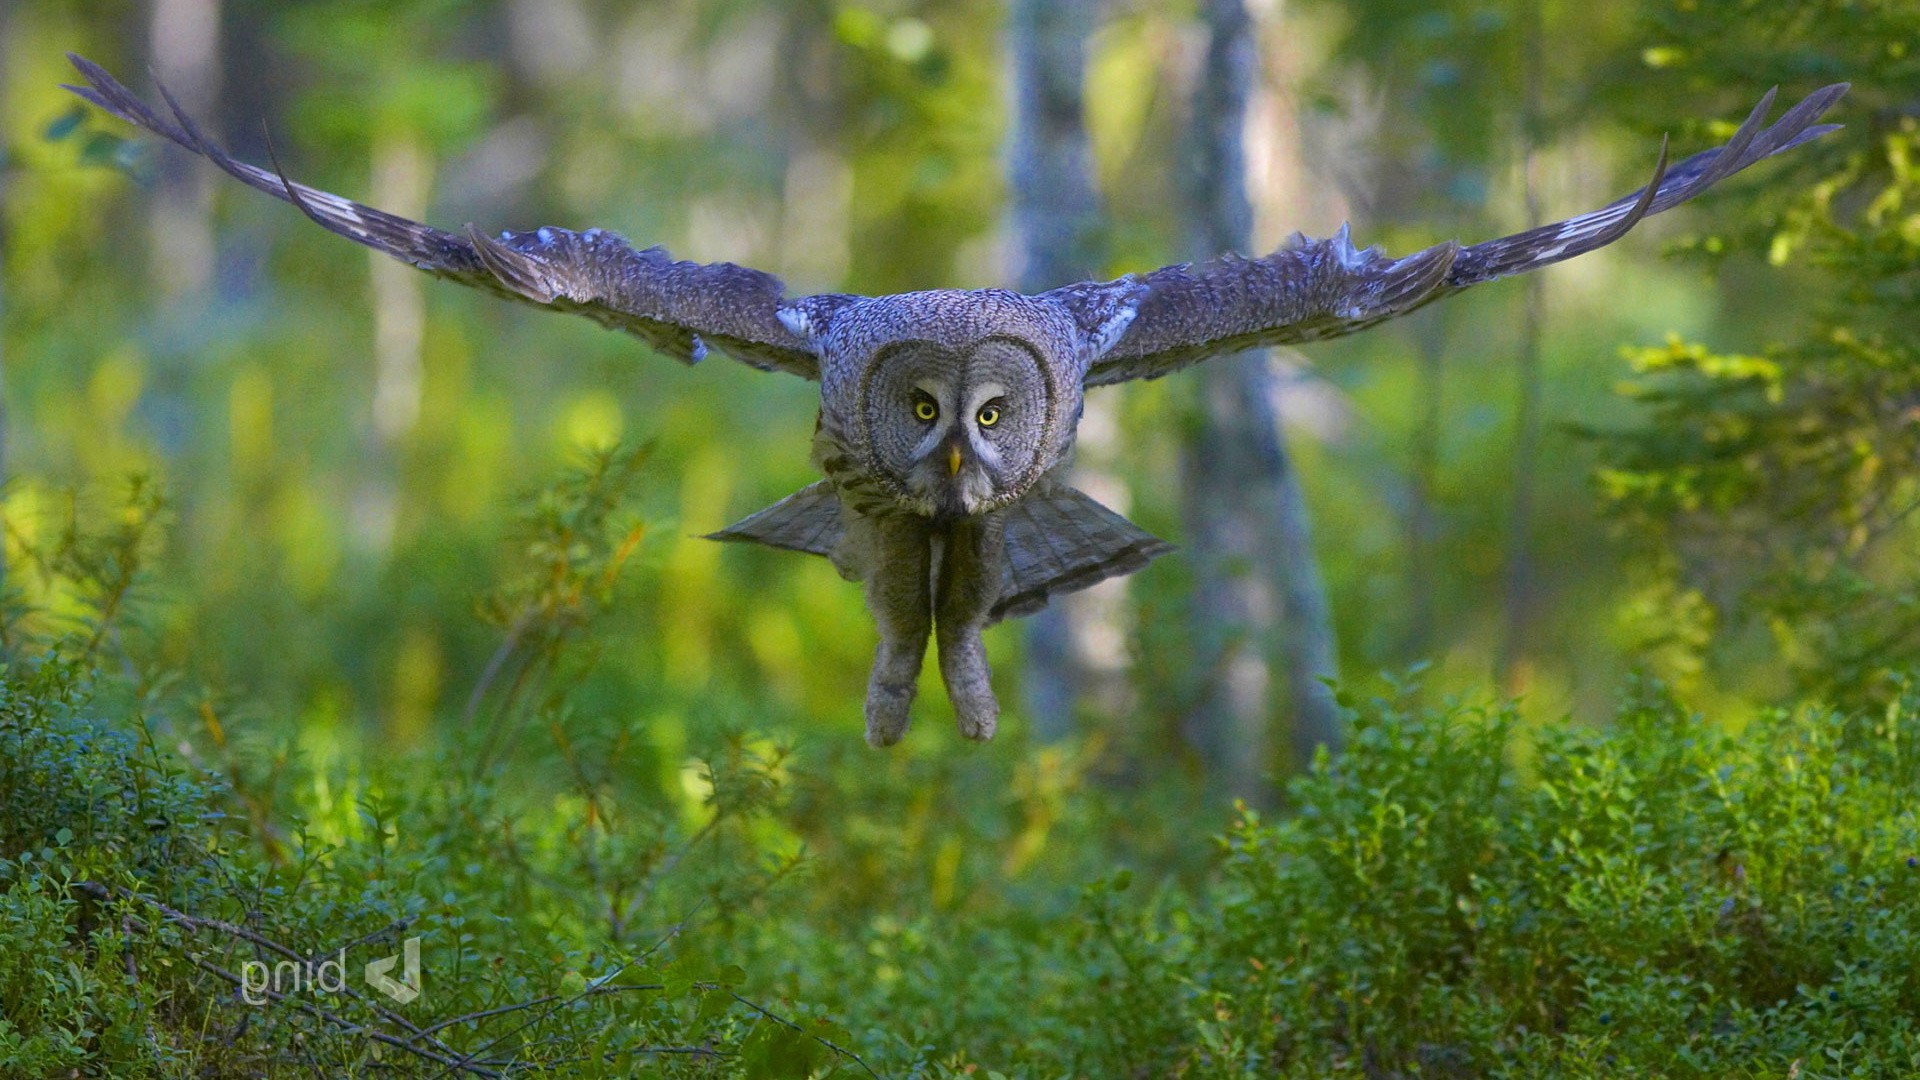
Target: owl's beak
(952, 453)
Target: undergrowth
(1455, 896)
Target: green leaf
(774, 1051)
(66, 123)
(713, 1005)
(679, 980)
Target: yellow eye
(926, 410)
(989, 415)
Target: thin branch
(494, 663)
(671, 863)
(554, 1003)
(436, 1051)
(196, 922)
(348, 1026)
(778, 1019)
(393, 927)
(520, 1006)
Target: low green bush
(145, 930)
(1455, 898)
(1658, 898)
(1452, 898)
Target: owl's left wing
(1314, 289)
(680, 308)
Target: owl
(946, 416)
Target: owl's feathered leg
(894, 553)
(971, 571)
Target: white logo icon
(406, 988)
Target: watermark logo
(261, 982)
(407, 987)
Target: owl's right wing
(1314, 289)
(680, 308)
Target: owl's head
(957, 402)
(959, 430)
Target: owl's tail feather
(807, 520)
(1060, 540)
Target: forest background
(387, 603)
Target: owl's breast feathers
(846, 469)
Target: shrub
(1661, 897)
(144, 932)
(1455, 897)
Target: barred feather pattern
(1059, 540)
(679, 308)
(1314, 289)
(807, 520)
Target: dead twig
(778, 1019)
(520, 1006)
(196, 922)
(347, 1026)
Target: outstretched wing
(1313, 289)
(680, 308)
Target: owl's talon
(978, 720)
(963, 666)
(889, 711)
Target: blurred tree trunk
(184, 43)
(1257, 597)
(6, 167)
(402, 173)
(1510, 664)
(1074, 648)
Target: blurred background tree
(1767, 488)
(1262, 635)
(1056, 226)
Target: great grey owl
(945, 416)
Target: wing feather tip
(88, 93)
(286, 183)
(504, 264)
(479, 258)
(94, 72)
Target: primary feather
(677, 307)
(1314, 289)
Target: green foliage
(1658, 898)
(1772, 491)
(248, 705)
(1449, 898)
(159, 921)
(1661, 898)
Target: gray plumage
(1059, 540)
(944, 415)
